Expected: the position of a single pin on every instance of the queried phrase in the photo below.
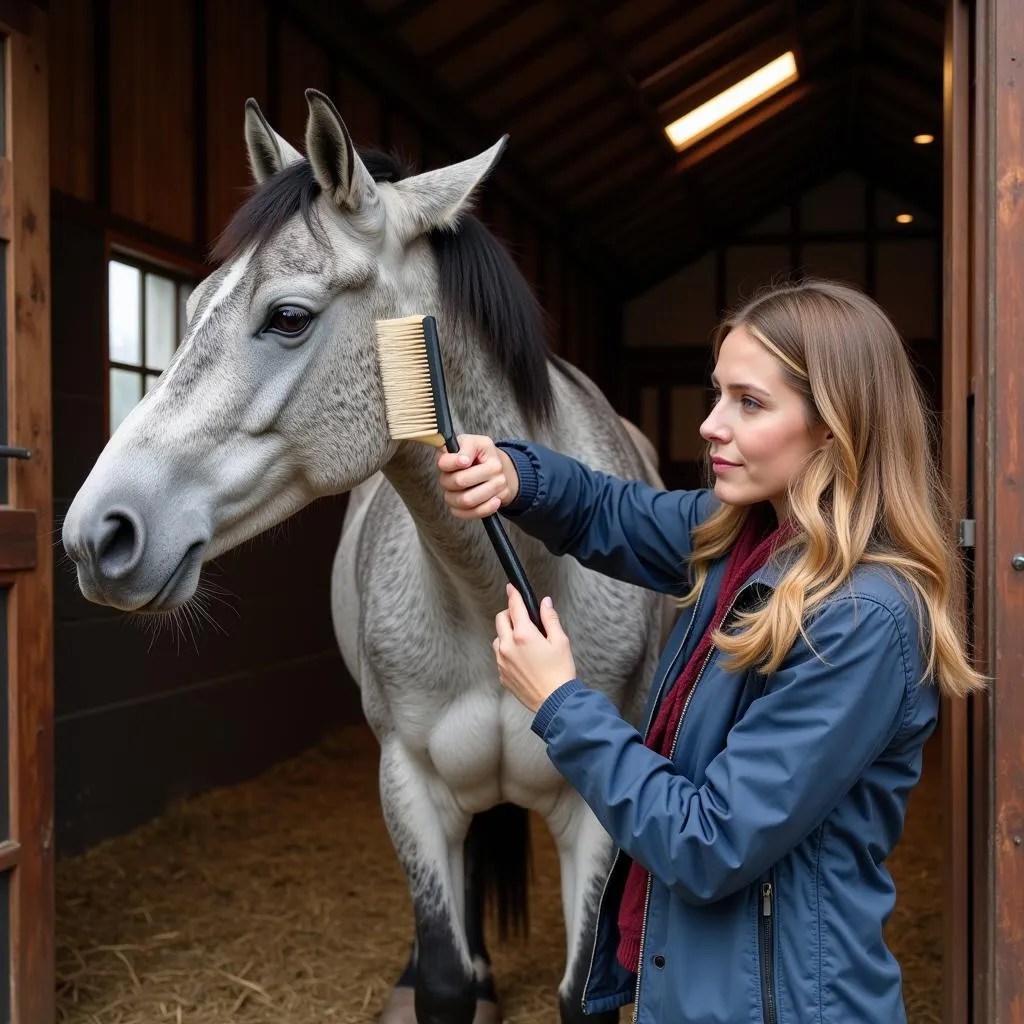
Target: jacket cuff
(550, 707)
(529, 480)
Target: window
(145, 322)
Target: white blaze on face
(235, 274)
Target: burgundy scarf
(750, 552)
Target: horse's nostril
(119, 544)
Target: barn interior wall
(147, 154)
(844, 227)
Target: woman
(785, 728)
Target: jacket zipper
(672, 750)
(611, 871)
(647, 895)
(766, 934)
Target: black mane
(478, 279)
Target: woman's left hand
(531, 666)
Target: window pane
(160, 321)
(151, 379)
(125, 392)
(125, 288)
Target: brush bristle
(405, 374)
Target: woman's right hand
(478, 479)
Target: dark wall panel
(152, 115)
(303, 64)
(120, 767)
(235, 32)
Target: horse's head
(273, 398)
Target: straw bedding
(279, 901)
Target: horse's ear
(268, 152)
(434, 199)
(336, 164)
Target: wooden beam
(919, 94)
(538, 128)
(998, 273)
(856, 8)
(406, 11)
(726, 35)
(357, 39)
(749, 122)
(956, 386)
(479, 30)
(796, 31)
(513, 61)
(643, 110)
(647, 202)
(908, 17)
(30, 607)
(527, 104)
(726, 74)
(611, 179)
(621, 77)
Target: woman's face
(759, 431)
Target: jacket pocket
(766, 947)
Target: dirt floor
(280, 902)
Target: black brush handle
(514, 570)
(507, 555)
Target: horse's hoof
(486, 1012)
(401, 1008)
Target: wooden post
(955, 387)
(998, 360)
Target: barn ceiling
(585, 87)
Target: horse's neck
(459, 550)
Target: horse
(273, 400)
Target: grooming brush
(417, 410)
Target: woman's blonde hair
(871, 494)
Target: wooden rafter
(477, 31)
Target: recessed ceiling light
(924, 138)
(733, 101)
(904, 218)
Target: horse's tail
(498, 855)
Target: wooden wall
(844, 227)
(147, 151)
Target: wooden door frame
(997, 368)
(30, 608)
(954, 719)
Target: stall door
(26, 628)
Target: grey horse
(273, 400)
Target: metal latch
(965, 533)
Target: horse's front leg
(585, 853)
(428, 831)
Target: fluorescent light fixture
(924, 138)
(733, 101)
(904, 218)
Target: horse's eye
(289, 320)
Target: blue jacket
(767, 831)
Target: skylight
(732, 102)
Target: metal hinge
(965, 533)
